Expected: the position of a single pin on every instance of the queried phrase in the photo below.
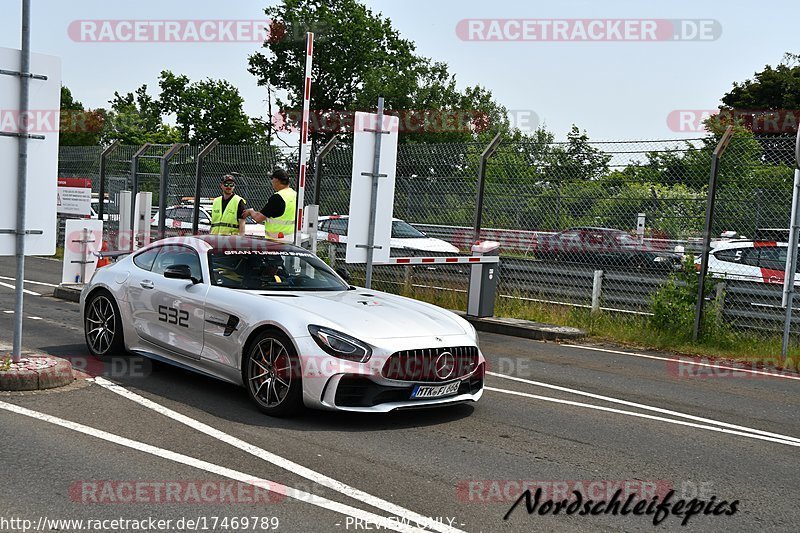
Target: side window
(177, 255)
(338, 226)
(184, 214)
(323, 226)
(144, 260)
(731, 256)
(750, 256)
(773, 258)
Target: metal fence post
(318, 166)
(198, 176)
(712, 191)
(376, 168)
(101, 207)
(162, 190)
(597, 290)
(487, 153)
(791, 269)
(135, 186)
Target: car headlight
(660, 259)
(340, 345)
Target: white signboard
(45, 101)
(361, 188)
(74, 196)
(80, 258)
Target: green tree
(770, 88)
(359, 56)
(136, 119)
(206, 110)
(78, 126)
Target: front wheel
(102, 325)
(271, 374)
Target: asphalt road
(460, 467)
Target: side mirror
(180, 272)
(343, 273)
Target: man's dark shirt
(274, 207)
(239, 208)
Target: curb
(71, 293)
(36, 372)
(516, 327)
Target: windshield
(404, 230)
(272, 270)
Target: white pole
(301, 181)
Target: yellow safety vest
(284, 224)
(225, 223)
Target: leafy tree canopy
(203, 110)
(359, 56)
(78, 126)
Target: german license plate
(435, 391)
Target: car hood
(371, 314)
(425, 245)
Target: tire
(102, 325)
(271, 374)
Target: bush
(673, 305)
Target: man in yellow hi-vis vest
(278, 213)
(227, 211)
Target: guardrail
(747, 305)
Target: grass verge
(625, 329)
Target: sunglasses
(229, 184)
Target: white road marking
(11, 312)
(650, 417)
(30, 281)
(26, 291)
(38, 317)
(673, 360)
(645, 407)
(281, 462)
(212, 468)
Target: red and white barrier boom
(441, 260)
(301, 181)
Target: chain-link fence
(561, 212)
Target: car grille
(421, 365)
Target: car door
(169, 313)
(225, 320)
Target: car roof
(727, 245)
(334, 217)
(594, 228)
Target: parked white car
(404, 235)
(757, 261)
(180, 217)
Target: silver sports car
(276, 319)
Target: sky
(614, 89)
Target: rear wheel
(102, 325)
(271, 374)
